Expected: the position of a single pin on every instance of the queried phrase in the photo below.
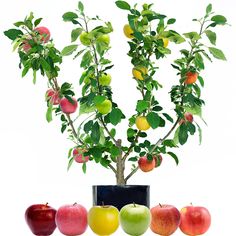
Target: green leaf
(63, 128)
(115, 151)
(200, 79)
(88, 126)
(81, 6)
(68, 50)
(123, 5)
(49, 112)
(34, 76)
(171, 21)
(134, 159)
(85, 109)
(131, 132)
(19, 23)
(209, 9)
(211, 36)
(168, 117)
(174, 157)
(37, 22)
(95, 134)
(169, 143)
(113, 132)
(96, 152)
(183, 134)
(192, 35)
(75, 33)
(200, 133)
(198, 61)
(115, 116)
(13, 34)
(84, 167)
(69, 16)
(191, 128)
(86, 59)
(25, 71)
(142, 106)
(70, 163)
(104, 162)
(219, 19)
(153, 119)
(217, 53)
(99, 99)
(176, 136)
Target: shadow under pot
(121, 195)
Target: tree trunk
(120, 167)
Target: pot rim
(116, 185)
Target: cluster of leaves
(187, 97)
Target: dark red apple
(158, 160)
(195, 220)
(146, 165)
(187, 117)
(53, 96)
(44, 32)
(71, 220)
(67, 107)
(78, 154)
(165, 219)
(41, 219)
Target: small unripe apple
(105, 79)
(158, 160)
(85, 39)
(146, 165)
(44, 32)
(53, 96)
(104, 107)
(189, 117)
(67, 107)
(104, 38)
(78, 154)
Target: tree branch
(112, 168)
(131, 174)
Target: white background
(34, 154)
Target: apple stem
(46, 204)
(134, 204)
(75, 204)
(160, 205)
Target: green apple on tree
(85, 38)
(104, 39)
(104, 107)
(105, 79)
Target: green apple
(85, 39)
(105, 79)
(103, 220)
(104, 107)
(104, 38)
(135, 219)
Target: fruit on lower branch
(158, 160)
(165, 219)
(44, 32)
(191, 77)
(41, 219)
(139, 72)
(85, 39)
(187, 117)
(146, 165)
(26, 46)
(78, 154)
(142, 123)
(104, 79)
(135, 219)
(67, 106)
(104, 39)
(128, 31)
(103, 220)
(104, 107)
(71, 220)
(53, 97)
(195, 220)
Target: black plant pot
(121, 195)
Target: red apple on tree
(187, 117)
(53, 96)
(71, 220)
(67, 106)
(146, 165)
(158, 160)
(78, 154)
(41, 219)
(44, 32)
(165, 219)
(195, 220)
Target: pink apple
(165, 219)
(41, 219)
(146, 165)
(53, 96)
(44, 32)
(71, 220)
(195, 220)
(78, 154)
(67, 107)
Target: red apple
(67, 107)
(165, 219)
(146, 165)
(53, 96)
(71, 220)
(187, 117)
(41, 219)
(44, 32)
(195, 220)
(78, 154)
(158, 160)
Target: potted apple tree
(94, 138)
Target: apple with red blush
(145, 164)
(195, 220)
(53, 97)
(41, 219)
(71, 220)
(78, 154)
(44, 33)
(68, 106)
(165, 219)
(187, 117)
